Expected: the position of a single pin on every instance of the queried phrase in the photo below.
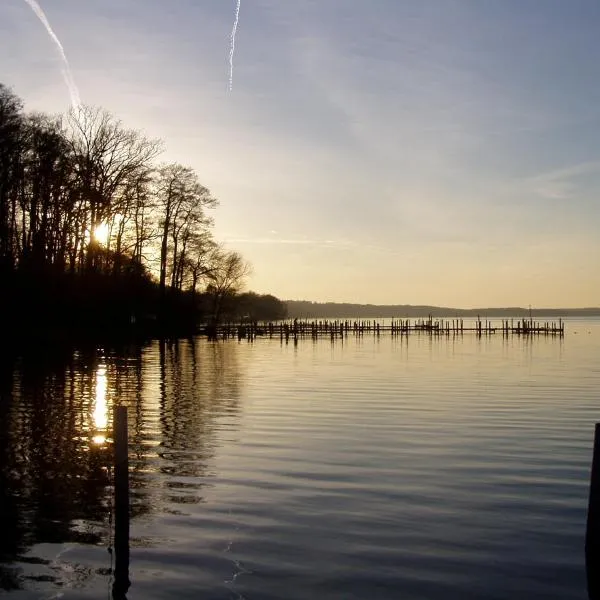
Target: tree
(201, 259)
(11, 130)
(107, 158)
(44, 198)
(181, 204)
(226, 279)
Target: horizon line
(436, 306)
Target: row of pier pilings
(395, 327)
(521, 327)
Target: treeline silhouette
(94, 233)
(339, 310)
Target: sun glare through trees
(101, 234)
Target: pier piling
(592, 534)
(121, 473)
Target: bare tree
(226, 279)
(107, 157)
(11, 132)
(201, 260)
(181, 204)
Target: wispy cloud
(67, 74)
(562, 184)
(232, 40)
(291, 241)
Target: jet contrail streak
(232, 50)
(67, 75)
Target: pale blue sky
(386, 151)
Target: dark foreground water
(450, 468)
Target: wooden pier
(336, 329)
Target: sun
(101, 233)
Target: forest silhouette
(96, 234)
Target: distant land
(342, 310)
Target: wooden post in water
(121, 543)
(592, 534)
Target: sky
(440, 152)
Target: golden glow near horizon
(100, 414)
(449, 274)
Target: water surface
(419, 468)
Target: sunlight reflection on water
(100, 413)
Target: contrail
(67, 75)
(232, 50)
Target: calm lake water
(419, 468)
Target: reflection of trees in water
(190, 384)
(54, 481)
(55, 418)
(199, 382)
(10, 521)
(51, 476)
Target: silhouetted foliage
(260, 307)
(93, 232)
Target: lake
(414, 468)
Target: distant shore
(341, 310)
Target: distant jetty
(336, 329)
